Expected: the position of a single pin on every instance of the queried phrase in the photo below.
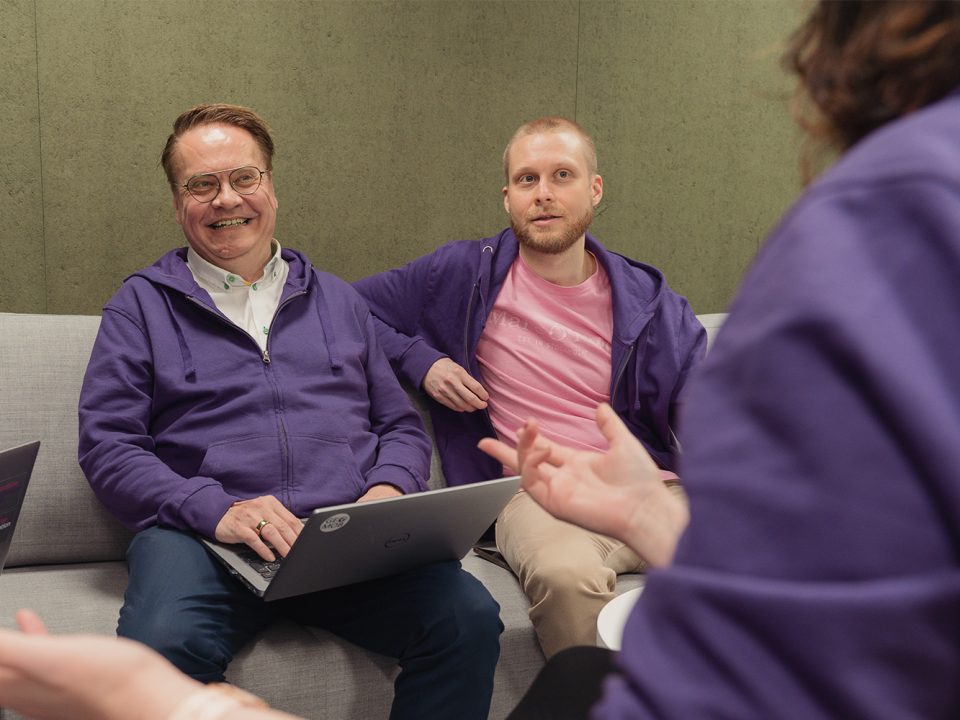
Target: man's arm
(691, 349)
(403, 457)
(398, 298)
(117, 452)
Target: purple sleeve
(116, 451)
(397, 299)
(403, 457)
(818, 577)
(691, 348)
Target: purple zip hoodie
(820, 574)
(437, 305)
(181, 414)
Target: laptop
(16, 466)
(345, 544)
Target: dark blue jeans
(438, 621)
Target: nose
(544, 192)
(227, 197)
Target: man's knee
(170, 632)
(558, 575)
(183, 605)
(464, 615)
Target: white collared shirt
(250, 306)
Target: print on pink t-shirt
(545, 353)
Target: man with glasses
(233, 387)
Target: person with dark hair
(233, 387)
(818, 575)
(542, 317)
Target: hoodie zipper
(265, 358)
(469, 357)
(466, 324)
(621, 370)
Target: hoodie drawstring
(189, 371)
(336, 363)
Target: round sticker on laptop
(334, 522)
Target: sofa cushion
(42, 362)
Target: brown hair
(863, 63)
(551, 124)
(211, 114)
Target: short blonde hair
(552, 124)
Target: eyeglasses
(244, 180)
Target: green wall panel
(22, 282)
(688, 106)
(390, 119)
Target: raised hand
(617, 493)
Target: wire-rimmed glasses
(206, 186)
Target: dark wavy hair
(212, 114)
(863, 63)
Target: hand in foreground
(618, 493)
(259, 521)
(91, 677)
(379, 492)
(451, 385)
(85, 677)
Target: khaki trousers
(568, 573)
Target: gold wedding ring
(260, 526)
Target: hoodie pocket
(246, 467)
(303, 472)
(324, 470)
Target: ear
(178, 203)
(596, 189)
(506, 200)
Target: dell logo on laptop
(396, 540)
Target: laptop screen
(16, 465)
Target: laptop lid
(16, 466)
(346, 544)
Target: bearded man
(542, 321)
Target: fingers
(30, 623)
(620, 438)
(452, 386)
(500, 451)
(610, 424)
(536, 473)
(261, 523)
(474, 387)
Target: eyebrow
(563, 165)
(220, 172)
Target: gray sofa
(67, 556)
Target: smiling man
(542, 321)
(232, 389)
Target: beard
(552, 242)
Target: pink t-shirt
(545, 353)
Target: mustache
(543, 212)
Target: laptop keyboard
(266, 569)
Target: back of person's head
(864, 63)
(552, 124)
(213, 114)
